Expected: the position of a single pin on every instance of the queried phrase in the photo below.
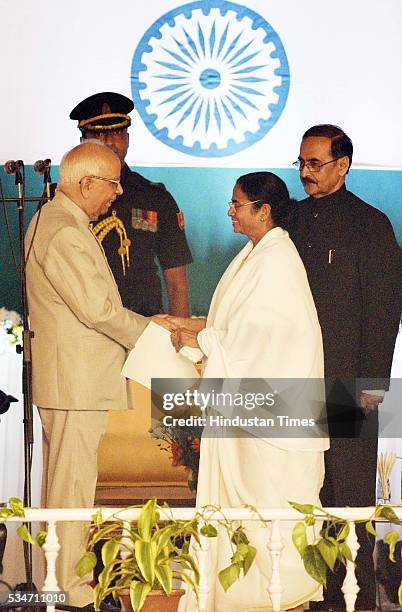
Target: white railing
(274, 542)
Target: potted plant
(142, 559)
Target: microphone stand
(26, 350)
(27, 335)
(47, 180)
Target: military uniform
(144, 224)
(353, 263)
(154, 227)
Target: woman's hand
(184, 337)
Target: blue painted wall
(202, 194)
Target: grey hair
(87, 158)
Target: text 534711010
(33, 598)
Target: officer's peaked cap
(103, 112)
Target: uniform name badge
(146, 220)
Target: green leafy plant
(150, 553)
(16, 508)
(322, 547)
(241, 560)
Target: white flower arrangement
(10, 329)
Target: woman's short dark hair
(341, 144)
(270, 189)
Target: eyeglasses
(101, 178)
(312, 165)
(234, 204)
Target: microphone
(13, 167)
(42, 165)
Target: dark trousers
(350, 480)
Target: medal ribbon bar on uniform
(146, 220)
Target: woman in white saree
(262, 323)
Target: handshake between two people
(183, 330)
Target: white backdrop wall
(344, 67)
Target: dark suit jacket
(353, 264)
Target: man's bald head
(89, 176)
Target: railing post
(51, 547)
(202, 557)
(125, 540)
(350, 587)
(275, 547)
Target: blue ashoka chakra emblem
(210, 78)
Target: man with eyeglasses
(353, 263)
(144, 223)
(81, 335)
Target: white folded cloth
(193, 354)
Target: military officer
(144, 224)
